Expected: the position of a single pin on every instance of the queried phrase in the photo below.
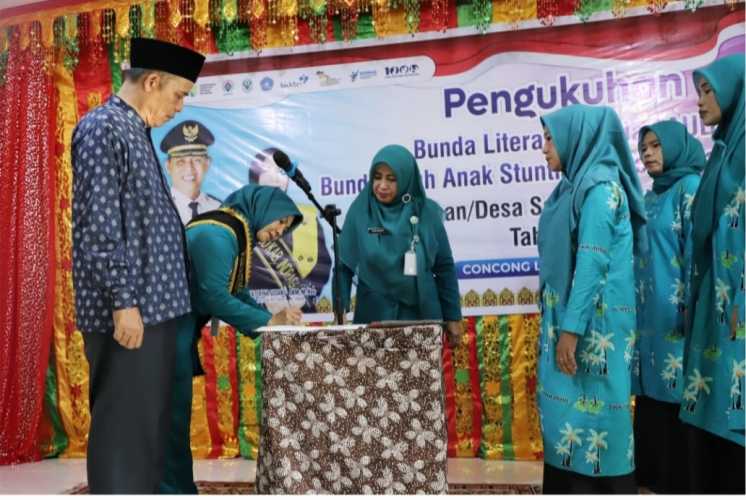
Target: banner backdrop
(468, 108)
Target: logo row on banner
(269, 86)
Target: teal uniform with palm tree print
(713, 397)
(663, 272)
(589, 231)
(586, 418)
(662, 277)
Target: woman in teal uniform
(394, 240)
(713, 397)
(220, 244)
(590, 228)
(674, 159)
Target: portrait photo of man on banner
(187, 164)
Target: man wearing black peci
(130, 267)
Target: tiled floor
(59, 475)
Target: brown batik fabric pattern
(354, 411)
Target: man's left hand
(454, 331)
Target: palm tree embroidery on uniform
(595, 352)
(670, 374)
(603, 346)
(676, 224)
(596, 443)
(736, 389)
(677, 297)
(722, 299)
(733, 209)
(631, 450)
(629, 350)
(565, 447)
(688, 202)
(697, 385)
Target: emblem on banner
(362, 74)
(402, 70)
(326, 80)
(190, 133)
(267, 83)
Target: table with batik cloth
(353, 410)
(489, 382)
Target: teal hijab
(683, 154)
(375, 236)
(592, 147)
(261, 206)
(724, 172)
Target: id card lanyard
(410, 257)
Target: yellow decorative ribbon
(148, 16)
(95, 24)
(201, 12)
(72, 367)
(230, 10)
(174, 11)
(25, 39)
(54, 13)
(511, 11)
(71, 26)
(257, 9)
(288, 8)
(122, 21)
(248, 369)
(389, 22)
(223, 344)
(47, 31)
(199, 432)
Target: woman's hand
(454, 331)
(565, 353)
(288, 316)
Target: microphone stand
(330, 213)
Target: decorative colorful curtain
(235, 25)
(28, 148)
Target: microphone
(282, 161)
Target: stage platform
(65, 475)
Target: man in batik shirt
(130, 267)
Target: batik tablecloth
(352, 410)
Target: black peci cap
(148, 53)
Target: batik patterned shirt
(128, 240)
